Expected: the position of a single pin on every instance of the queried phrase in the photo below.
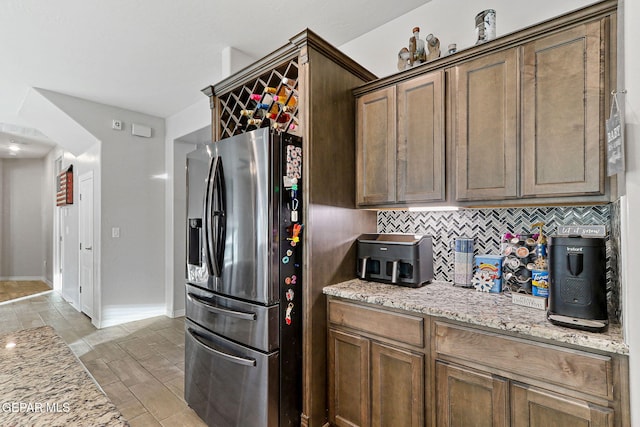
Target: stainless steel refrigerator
(244, 279)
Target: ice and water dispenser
(400, 259)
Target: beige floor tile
(176, 336)
(158, 400)
(185, 418)
(108, 352)
(32, 323)
(118, 392)
(79, 348)
(176, 385)
(160, 367)
(138, 348)
(129, 371)
(144, 420)
(175, 354)
(132, 408)
(100, 336)
(101, 372)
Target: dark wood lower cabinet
(397, 387)
(373, 384)
(540, 408)
(348, 379)
(389, 368)
(470, 398)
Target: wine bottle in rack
(290, 101)
(280, 118)
(266, 98)
(281, 127)
(254, 122)
(271, 90)
(289, 82)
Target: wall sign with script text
(615, 138)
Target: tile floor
(140, 365)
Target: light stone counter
(42, 383)
(441, 299)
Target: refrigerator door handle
(218, 209)
(206, 223)
(230, 357)
(220, 310)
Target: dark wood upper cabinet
(485, 97)
(400, 143)
(562, 113)
(515, 121)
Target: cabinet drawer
(383, 323)
(582, 371)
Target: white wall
(452, 21)
(48, 205)
(21, 202)
(129, 178)
(194, 124)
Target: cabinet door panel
(348, 379)
(533, 407)
(485, 98)
(397, 387)
(470, 398)
(376, 147)
(420, 163)
(562, 120)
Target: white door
(85, 205)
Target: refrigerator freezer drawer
(250, 324)
(228, 384)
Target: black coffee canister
(578, 283)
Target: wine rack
(239, 100)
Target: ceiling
(153, 56)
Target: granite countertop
(442, 299)
(42, 383)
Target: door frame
(58, 247)
(81, 209)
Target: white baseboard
(112, 316)
(177, 313)
(18, 278)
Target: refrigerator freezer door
(249, 324)
(250, 243)
(228, 384)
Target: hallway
(139, 365)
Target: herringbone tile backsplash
(487, 226)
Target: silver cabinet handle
(89, 248)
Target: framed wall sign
(64, 187)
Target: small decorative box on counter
(487, 275)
